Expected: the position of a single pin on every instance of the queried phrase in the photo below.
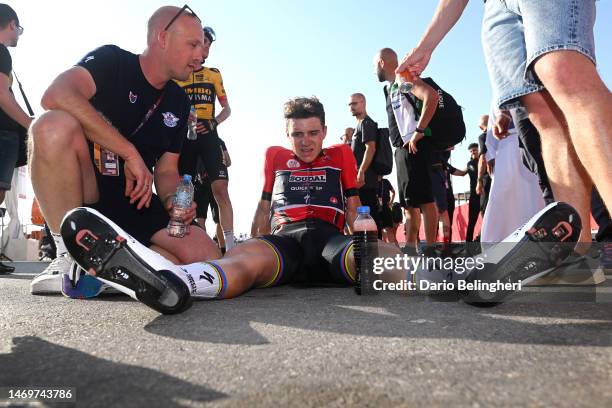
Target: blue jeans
(516, 32)
(9, 149)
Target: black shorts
(141, 224)
(208, 148)
(413, 181)
(398, 214)
(386, 217)
(438, 187)
(311, 251)
(204, 198)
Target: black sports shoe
(531, 252)
(104, 250)
(6, 269)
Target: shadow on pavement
(341, 311)
(34, 362)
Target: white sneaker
(115, 258)
(49, 281)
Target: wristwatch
(419, 130)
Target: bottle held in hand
(192, 124)
(180, 205)
(365, 249)
(405, 80)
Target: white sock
(229, 239)
(59, 244)
(204, 279)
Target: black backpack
(447, 126)
(383, 157)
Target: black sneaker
(110, 254)
(6, 269)
(531, 252)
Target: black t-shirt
(472, 169)
(6, 67)
(385, 191)
(365, 131)
(124, 97)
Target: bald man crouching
(114, 126)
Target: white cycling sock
(204, 279)
(59, 244)
(229, 239)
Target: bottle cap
(363, 210)
(186, 178)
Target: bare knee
(543, 114)
(567, 72)
(54, 131)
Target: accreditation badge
(106, 161)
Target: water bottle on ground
(182, 203)
(192, 124)
(365, 249)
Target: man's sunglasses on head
(185, 8)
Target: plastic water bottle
(365, 249)
(192, 124)
(406, 81)
(182, 203)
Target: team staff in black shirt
(115, 125)
(13, 120)
(363, 145)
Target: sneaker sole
(50, 285)
(596, 278)
(546, 242)
(102, 251)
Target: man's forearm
(261, 221)
(430, 104)
(9, 106)
(446, 16)
(368, 156)
(165, 184)
(482, 166)
(225, 112)
(351, 212)
(96, 127)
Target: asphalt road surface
(311, 347)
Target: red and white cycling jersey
(299, 190)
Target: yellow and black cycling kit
(202, 87)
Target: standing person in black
(474, 203)
(386, 197)
(483, 184)
(114, 128)
(407, 133)
(13, 120)
(364, 148)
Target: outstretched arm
(446, 16)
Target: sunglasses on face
(19, 29)
(185, 8)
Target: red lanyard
(149, 113)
